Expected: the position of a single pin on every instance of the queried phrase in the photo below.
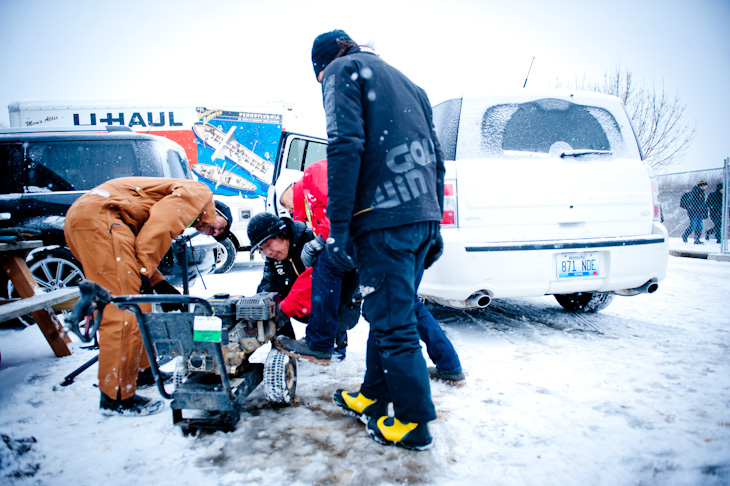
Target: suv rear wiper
(578, 153)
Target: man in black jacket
(281, 241)
(714, 204)
(695, 204)
(385, 182)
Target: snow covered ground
(637, 394)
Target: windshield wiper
(578, 153)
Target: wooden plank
(20, 245)
(37, 302)
(66, 305)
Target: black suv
(43, 173)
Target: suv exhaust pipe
(648, 288)
(479, 299)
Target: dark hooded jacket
(290, 278)
(694, 202)
(385, 166)
(714, 204)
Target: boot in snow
(359, 405)
(391, 431)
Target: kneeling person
(281, 242)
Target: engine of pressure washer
(247, 323)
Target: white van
(546, 194)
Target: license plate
(571, 265)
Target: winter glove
(336, 249)
(311, 250)
(164, 288)
(435, 251)
(146, 287)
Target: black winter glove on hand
(336, 249)
(164, 288)
(435, 251)
(146, 287)
(311, 251)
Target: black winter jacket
(279, 276)
(385, 166)
(695, 203)
(714, 204)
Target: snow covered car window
(537, 126)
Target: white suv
(545, 194)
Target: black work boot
(298, 348)
(455, 378)
(145, 379)
(136, 406)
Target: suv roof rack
(62, 129)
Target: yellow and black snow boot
(359, 405)
(391, 431)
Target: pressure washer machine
(211, 345)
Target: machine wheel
(53, 269)
(225, 256)
(584, 302)
(280, 377)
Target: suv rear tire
(585, 302)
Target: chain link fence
(695, 217)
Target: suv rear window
(537, 125)
(81, 165)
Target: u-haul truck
(232, 150)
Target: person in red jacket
(306, 201)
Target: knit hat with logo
(262, 227)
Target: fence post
(724, 246)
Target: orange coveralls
(120, 231)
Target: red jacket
(310, 198)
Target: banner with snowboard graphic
(236, 151)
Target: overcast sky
(232, 53)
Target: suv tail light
(655, 199)
(449, 218)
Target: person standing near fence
(714, 204)
(696, 206)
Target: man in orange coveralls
(120, 231)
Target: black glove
(435, 251)
(311, 250)
(336, 249)
(146, 287)
(164, 288)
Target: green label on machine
(207, 329)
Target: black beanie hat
(262, 227)
(224, 211)
(325, 49)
